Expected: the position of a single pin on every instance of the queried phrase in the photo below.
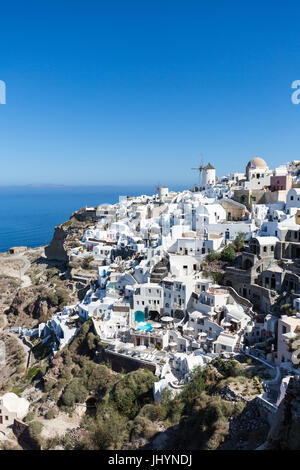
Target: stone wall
(120, 362)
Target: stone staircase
(160, 271)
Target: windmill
(157, 186)
(200, 168)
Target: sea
(29, 214)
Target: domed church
(256, 163)
(258, 174)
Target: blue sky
(132, 92)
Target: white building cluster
(152, 302)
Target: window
(283, 329)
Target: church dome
(257, 162)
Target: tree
(228, 254)
(239, 241)
(91, 337)
(133, 391)
(196, 385)
(100, 379)
(75, 392)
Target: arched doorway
(248, 264)
(154, 315)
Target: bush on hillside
(133, 391)
(239, 241)
(228, 254)
(75, 392)
(212, 256)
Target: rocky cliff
(29, 307)
(66, 235)
(285, 431)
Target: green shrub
(212, 256)
(133, 391)
(109, 431)
(51, 414)
(51, 273)
(35, 428)
(154, 412)
(196, 385)
(217, 277)
(49, 384)
(32, 373)
(239, 241)
(29, 417)
(75, 392)
(228, 254)
(142, 428)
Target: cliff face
(66, 235)
(56, 250)
(285, 432)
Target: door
(0, 419)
